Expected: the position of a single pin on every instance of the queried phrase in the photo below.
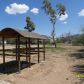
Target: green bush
(78, 40)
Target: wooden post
(29, 53)
(3, 45)
(18, 49)
(44, 50)
(26, 52)
(38, 51)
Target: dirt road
(55, 70)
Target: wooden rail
(33, 48)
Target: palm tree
(52, 13)
(30, 26)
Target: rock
(67, 79)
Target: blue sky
(14, 12)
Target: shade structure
(17, 34)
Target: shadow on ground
(79, 69)
(81, 50)
(79, 54)
(12, 67)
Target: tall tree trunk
(54, 41)
(53, 36)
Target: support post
(29, 53)
(38, 51)
(3, 45)
(44, 50)
(26, 52)
(18, 49)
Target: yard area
(62, 66)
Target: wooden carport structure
(18, 34)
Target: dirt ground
(57, 69)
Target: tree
(30, 26)
(52, 13)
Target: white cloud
(17, 8)
(63, 17)
(35, 10)
(64, 22)
(81, 13)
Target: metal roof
(11, 32)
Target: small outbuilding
(28, 50)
